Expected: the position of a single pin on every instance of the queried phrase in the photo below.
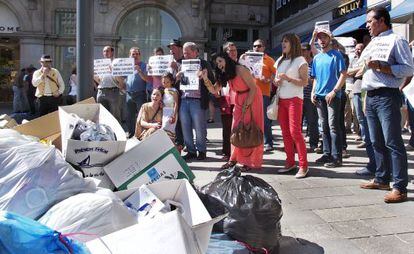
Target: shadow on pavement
(291, 245)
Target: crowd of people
(319, 88)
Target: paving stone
(354, 200)
(293, 217)
(320, 192)
(292, 245)
(339, 246)
(354, 229)
(393, 225)
(383, 245)
(316, 232)
(323, 182)
(316, 203)
(352, 213)
(401, 209)
(408, 237)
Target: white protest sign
(409, 92)
(102, 66)
(190, 81)
(254, 61)
(379, 49)
(123, 66)
(322, 25)
(159, 65)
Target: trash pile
(69, 178)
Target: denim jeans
(410, 110)
(193, 117)
(134, 101)
(309, 111)
(384, 118)
(268, 139)
(331, 131)
(344, 98)
(363, 126)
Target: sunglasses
(257, 46)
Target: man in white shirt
(49, 86)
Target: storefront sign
(347, 7)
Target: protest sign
(379, 49)
(102, 66)
(190, 80)
(254, 61)
(123, 66)
(322, 25)
(159, 65)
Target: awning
(351, 25)
(402, 12)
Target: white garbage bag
(34, 176)
(89, 215)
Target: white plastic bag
(273, 108)
(96, 214)
(34, 176)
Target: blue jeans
(410, 109)
(309, 111)
(268, 138)
(134, 101)
(331, 130)
(193, 117)
(384, 118)
(363, 126)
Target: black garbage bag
(254, 208)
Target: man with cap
(329, 73)
(309, 109)
(49, 86)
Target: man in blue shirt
(136, 89)
(384, 75)
(329, 73)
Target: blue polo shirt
(326, 69)
(134, 82)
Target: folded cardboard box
(90, 156)
(153, 159)
(183, 231)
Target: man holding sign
(388, 61)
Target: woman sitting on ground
(149, 118)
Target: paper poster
(254, 61)
(409, 92)
(123, 66)
(159, 65)
(381, 48)
(102, 66)
(190, 80)
(322, 25)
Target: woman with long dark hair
(291, 77)
(248, 98)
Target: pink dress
(251, 157)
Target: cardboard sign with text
(190, 79)
(102, 66)
(159, 65)
(123, 66)
(154, 159)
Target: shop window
(65, 22)
(147, 28)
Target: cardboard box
(154, 159)
(90, 156)
(187, 231)
(46, 127)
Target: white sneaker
(302, 173)
(285, 170)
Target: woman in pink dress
(248, 97)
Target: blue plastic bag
(21, 235)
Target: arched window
(147, 28)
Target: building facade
(30, 28)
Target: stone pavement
(327, 212)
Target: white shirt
(288, 90)
(72, 83)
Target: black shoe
(333, 164)
(201, 156)
(324, 159)
(190, 156)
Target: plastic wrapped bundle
(96, 214)
(98, 132)
(19, 235)
(34, 176)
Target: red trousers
(290, 120)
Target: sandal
(229, 164)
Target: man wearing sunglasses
(264, 83)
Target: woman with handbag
(247, 126)
(291, 77)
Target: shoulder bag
(246, 135)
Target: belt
(108, 88)
(242, 92)
(382, 91)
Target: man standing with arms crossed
(382, 80)
(329, 73)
